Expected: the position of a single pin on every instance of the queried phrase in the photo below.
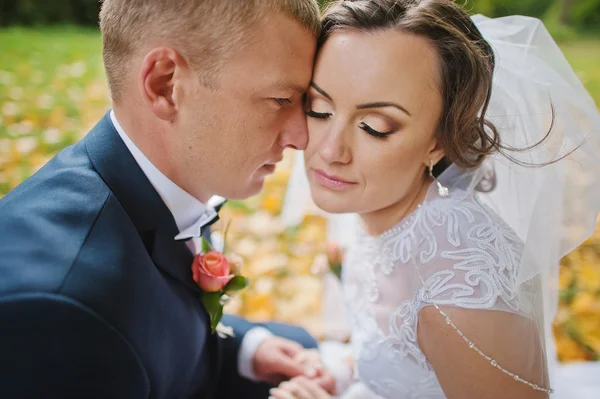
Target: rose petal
(210, 283)
(196, 267)
(216, 264)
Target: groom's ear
(158, 81)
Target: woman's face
(373, 110)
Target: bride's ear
(434, 153)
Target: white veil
(551, 208)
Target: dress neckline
(406, 221)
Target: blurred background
(53, 90)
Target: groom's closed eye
(282, 101)
(282, 93)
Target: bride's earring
(442, 191)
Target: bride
(469, 149)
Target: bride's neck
(379, 221)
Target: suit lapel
(141, 202)
(175, 258)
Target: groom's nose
(295, 132)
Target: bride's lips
(331, 182)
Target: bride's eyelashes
(373, 132)
(368, 129)
(317, 115)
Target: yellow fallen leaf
(585, 304)
(258, 307)
(589, 274)
(58, 115)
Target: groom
(96, 292)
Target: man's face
(230, 138)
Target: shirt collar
(189, 213)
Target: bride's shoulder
(465, 207)
(440, 225)
(462, 219)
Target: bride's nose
(336, 147)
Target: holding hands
(299, 388)
(314, 383)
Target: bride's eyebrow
(363, 106)
(321, 91)
(383, 105)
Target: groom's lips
(266, 169)
(331, 182)
(269, 168)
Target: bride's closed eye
(377, 125)
(317, 108)
(374, 125)
(317, 115)
(373, 132)
(362, 125)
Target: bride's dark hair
(466, 64)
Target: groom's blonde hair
(203, 31)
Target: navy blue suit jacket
(96, 297)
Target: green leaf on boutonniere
(225, 237)
(206, 247)
(336, 269)
(239, 205)
(237, 283)
(212, 304)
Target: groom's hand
(277, 360)
(274, 360)
(315, 370)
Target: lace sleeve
(467, 263)
(454, 260)
(454, 248)
(464, 256)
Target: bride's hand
(299, 388)
(315, 370)
(311, 360)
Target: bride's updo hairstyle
(466, 66)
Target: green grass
(42, 58)
(581, 48)
(584, 56)
(52, 87)
(60, 42)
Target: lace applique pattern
(469, 259)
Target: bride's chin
(330, 204)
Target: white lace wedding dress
(467, 258)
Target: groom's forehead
(280, 57)
(292, 84)
(286, 76)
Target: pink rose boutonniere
(335, 258)
(218, 275)
(331, 261)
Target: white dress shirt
(190, 216)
